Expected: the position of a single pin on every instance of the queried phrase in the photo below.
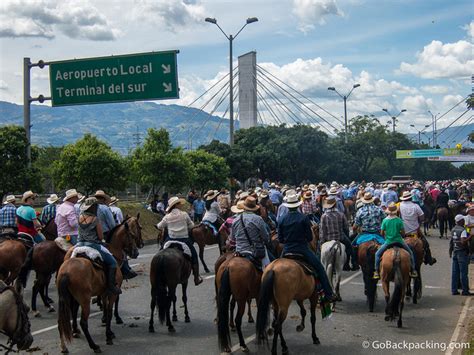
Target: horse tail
(223, 299)
(26, 267)
(64, 314)
(265, 298)
(162, 297)
(398, 280)
(371, 284)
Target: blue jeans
(190, 244)
(460, 269)
(38, 238)
(109, 260)
(385, 246)
(313, 260)
(73, 240)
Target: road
(434, 319)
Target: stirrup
(413, 274)
(376, 275)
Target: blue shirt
(369, 217)
(48, 213)
(8, 216)
(294, 230)
(275, 196)
(106, 218)
(199, 206)
(388, 197)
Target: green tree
(88, 165)
(157, 164)
(43, 163)
(209, 170)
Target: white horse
(333, 257)
(14, 322)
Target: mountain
(449, 137)
(121, 125)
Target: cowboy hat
(292, 201)
(27, 195)
(263, 193)
(211, 195)
(320, 185)
(88, 203)
(392, 208)
(307, 195)
(406, 196)
(52, 199)
(101, 194)
(368, 198)
(113, 200)
(392, 186)
(470, 207)
(458, 218)
(333, 191)
(10, 199)
(272, 185)
(173, 201)
(80, 197)
(250, 204)
(323, 192)
(70, 194)
(239, 208)
(312, 187)
(329, 202)
(243, 195)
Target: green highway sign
(134, 77)
(426, 153)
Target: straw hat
(392, 209)
(407, 196)
(102, 195)
(458, 218)
(333, 191)
(243, 195)
(113, 200)
(312, 187)
(10, 199)
(250, 204)
(80, 197)
(53, 198)
(88, 203)
(173, 201)
(211, 195)
(308, 195)
(239, 208)
(27, 195)
(292, 201)
(263, 193)
(368, 198)
(272, 185)
(329, 202)
(70, 194)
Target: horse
(50, 230)
(203, 235)
(366, 258)
(428, 210)
(14, 322)
(442, 214)
(333, 258)
(12, 256)
(395, 266)
(349, 208)
(313, 244)
(416, 245)
(78, 280)
(169, 268)
(239, 278)
(283, 281)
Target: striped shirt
(48, 213)
(333, 225)
(8, 216)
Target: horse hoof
(151, 330)
(244, 349)
(65, 351)
(109, 342)
(270, 331)
(187, 320)
(316, 341)
(227, 350)
(98, 350)
(175, 319)
(51, 309)
(171, 330)
(285, 351)
(299, 328)
(232, 328)
(118, 321)
(206, 271)
(76, 335)
(387, 318)
(399, 324)
(339, 299)
(251, 320)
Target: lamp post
(344, 97)
(394, 118)
(231, 69)
(434, 123)
(419, 132)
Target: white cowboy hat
(312, 187)
(329, 202)
(458, 218)
(239, 208)
(27, 195)
(263, 194)
(173, 201)
(406, 196)
(113, 200)
(292, 201)
(69, 194)
(392, 208)
(52, 199)
(272, 185)
(10, 199)
(101, 194)
(333, 191)
(368, 198)
(88, 203)
(212, 194)
(392, 186)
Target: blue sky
(407, 54)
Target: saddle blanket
(210, 225)
(63, 244)
(91, 253)
(367, 237)
(184, 246)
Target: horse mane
(113, 230)
(23, 325)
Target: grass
(148, 219)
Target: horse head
(132, 238)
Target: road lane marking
(343, 282)
(456, 334)
(209, 277)
(55, 326)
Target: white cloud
(44, 18)
(451, 100)
(469, 29)
(311, 12)
(416, 104)
(3, 85)
(438, 60)
(173, 15)
(435, 89)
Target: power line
(453, 122)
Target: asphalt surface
(433, 320)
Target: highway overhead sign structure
(426, 153)
(134, 77)
(456, 158)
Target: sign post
(426, 153)
(142, 76)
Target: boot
(111, 286)
(428, 258)
(197, 278)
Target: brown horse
(416, 245)
(313, 244)
(283, 281)
(442, 214)
(349, 208)
(169, 268)
(395, 267)
(12, 256)
(203, 235)
(237, 278)
(366, 258)
(50, 230)
(78, 281)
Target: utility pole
(434, 123)
(344, 97)
(394, 118)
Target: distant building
(248, 90)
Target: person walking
(459, 252)
(199, 207)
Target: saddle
(393, 245)
(211, 227)
(90, 254)
(25, 238)
(172, 244)
(300, 260)
(63, 244)
(255, 262)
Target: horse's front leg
(201, 257)
(108, 310)
(118, 319)
(300, 327)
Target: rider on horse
(294, 232)
(392, 230)
(213, 211)
(49, 211)
(179, 224)
(90, 235)
(66, 217)
(8, 216)
(26, 217)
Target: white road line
(211, 247)
(456, 334)
(55, 326)
(132, 265)
(343, 282)
(209, 277)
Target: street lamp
(434, 123)
(231, 69)
(344, 97)
(419, 132)
(394, 118)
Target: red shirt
(434, 194)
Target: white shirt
(117, 212)
(213, 213)
(410, 213)
(178, 223)
(469, 220)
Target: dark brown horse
(283, 281)
(442, 214)
(395, 266)
(12, 256)
(78, 280)
(416, 245)
(313, 244)
(203, 235)
(50, 230)
(169, 268)
(237, 278)
(366, 258)
(349, 208)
